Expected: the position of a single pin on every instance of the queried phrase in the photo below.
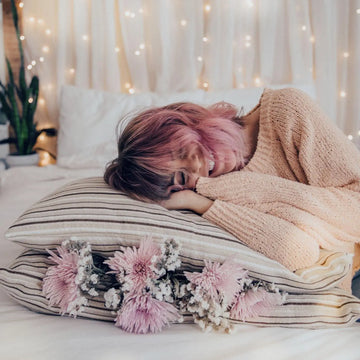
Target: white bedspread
(26, 335)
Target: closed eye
(179, 178)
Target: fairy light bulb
(22, 37)
(48, 32)
(250, 4)
(45, 158)
(142, 46)
(30, 100)
(29, 67)
(137, 53)
(72, 71)
(183, 22)
(199, 59)
(346, 54)
(21, 5)
(45, 49)
(343, 94)
(32, 19)
(358, 11)
(41, 59)
(303, 28)
(85, 37)
(205, 85)
(207, 8)
(205, 39)
(350, 137)
(131, 91)
(312, 39)
(117, 49)
(42, 103)
(42, 137)
(257, 81)
(33, 63)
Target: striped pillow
(91, 211)
(22, 280)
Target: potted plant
(4, 133)
(18, 103)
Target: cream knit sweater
(299, 192)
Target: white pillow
(88, 118)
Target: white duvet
(26, 335)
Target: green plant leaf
(14, 14)
(16, 121)
(10, 140)
(10, 72)
(5, 107)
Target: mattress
(28, 335)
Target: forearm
(201, 204)
(188, 200)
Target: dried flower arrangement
(147, 291)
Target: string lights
(247, 43)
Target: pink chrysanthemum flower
(142, 313)
(253, 302)
(59, 282)
(217, 279)
(136, 263)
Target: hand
(187, 199)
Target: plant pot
(22, 160)
(4, 134)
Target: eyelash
(182, 178)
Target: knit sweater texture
(299, 192)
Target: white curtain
(178, 45)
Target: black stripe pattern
(90, 210)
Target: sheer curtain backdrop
(176, 45)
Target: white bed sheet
(27, 335)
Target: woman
(282, 179)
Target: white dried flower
(93, 292)
(112, 298)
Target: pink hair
(157, 136)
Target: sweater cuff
(212, 213)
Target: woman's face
(190, 167)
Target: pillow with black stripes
(90, 210)
(22, 280)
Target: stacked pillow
(90, 210)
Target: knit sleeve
(327, 215)
(270, 235)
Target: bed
(26, 334)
